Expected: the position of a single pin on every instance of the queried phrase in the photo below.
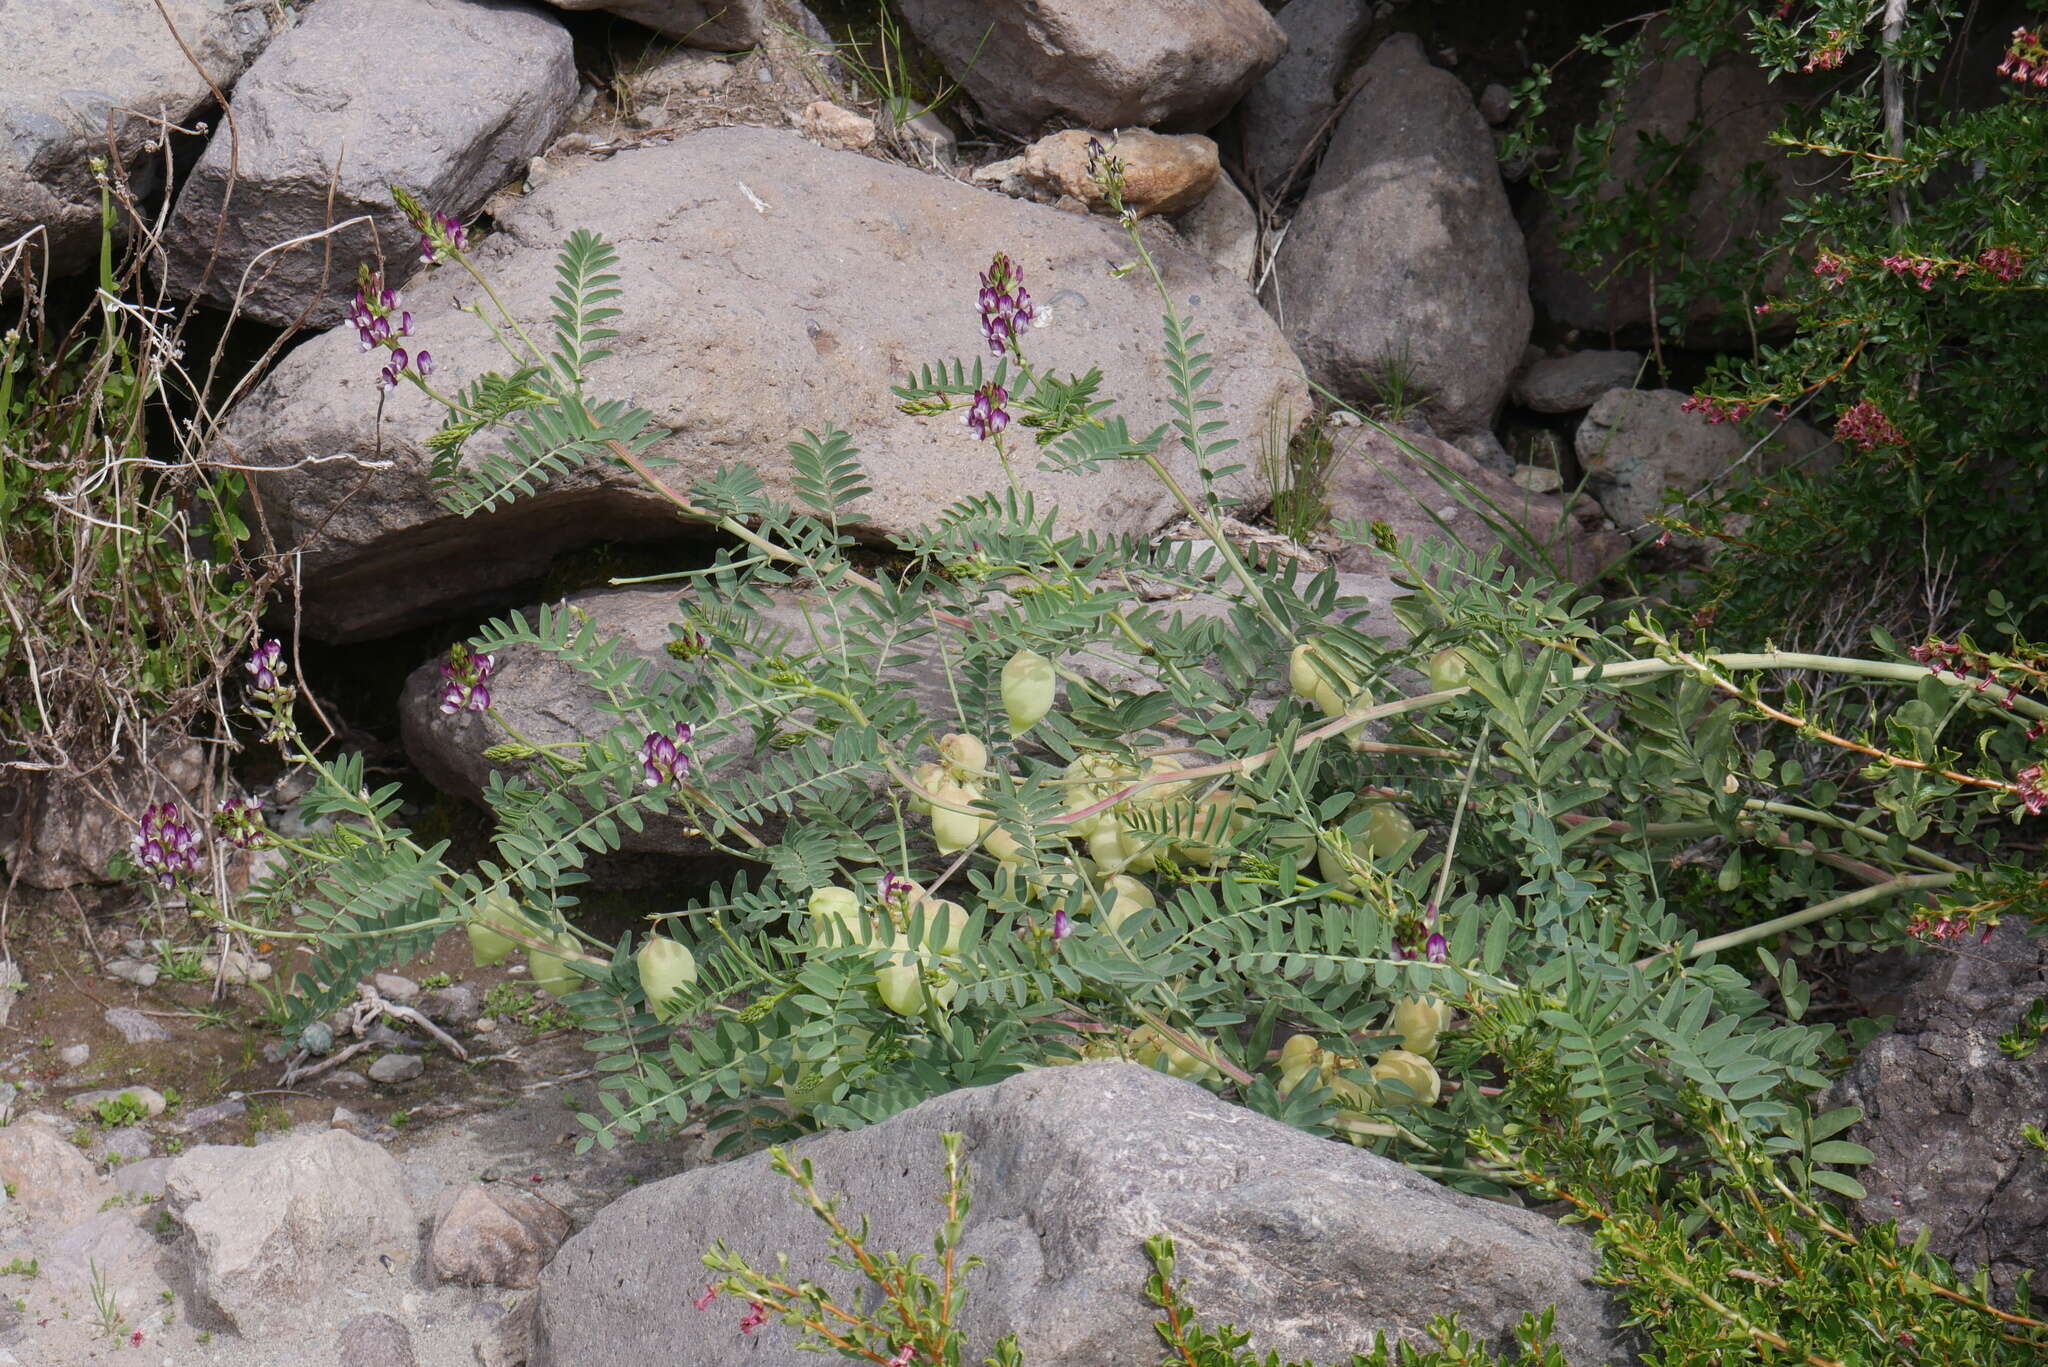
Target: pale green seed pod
(1413, 1072)
(1006, 848)
(835, 917)
(488, 944)
(1028, 687)
(665, 965)
(1310, 675)
(928, 778)
(1387, 830)
(953, 831)
(1447, 669)
(1418, 1021)
(965, 757)
(551, 972)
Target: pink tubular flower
(1925, 270)
(1864, 426)
(986, 416)
(703, 1302)
(903, 1356)
(662, 760)
(2026, 58)
(756, 1316)
(1830, 269)
(1006, 307)
(466, 680)
(2003, 262)
(2028, 783)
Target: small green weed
(21, 1267)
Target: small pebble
(395, 988)
(74, 1055)
(128, 1143)
(135, 971)
(134, 1027)
(397, 1068)
(149, 1098)
(218, 1113)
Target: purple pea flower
(662, 760)
(441, 232)
(1437, 949)
(424, 363)
(1062, 925)
(380, 320)
(236, 822)
(1006, 306)
(986, 416)
(165, 847)
(266, 662)
(466, 674)
(893, 889)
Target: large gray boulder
(1425, 489)
(1176, 65)
(59, 829)
(1283, 114)
(1310, 1245)
(53, 1183)
(79, 70)
(770, 287)
(266, 1228)
(1944, 1106)
(447, 98)
(1721, 112)
(1404, 265)
(1640, 449)
(721, 25)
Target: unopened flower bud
(1028, 686)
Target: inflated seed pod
(1298, 1058)
(551, 972)
(835, 917)
(664, 965)
(953, 831)
(1305, 678)
(1413, 1072)
(488, 944)
(1387, 830)
(946, 922)
(928, 777)
(1418, 1021)
(965, 757)
(1215, 820)
(1447, 669)
(1028, 686)
(1006, 848)
(901, 984)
